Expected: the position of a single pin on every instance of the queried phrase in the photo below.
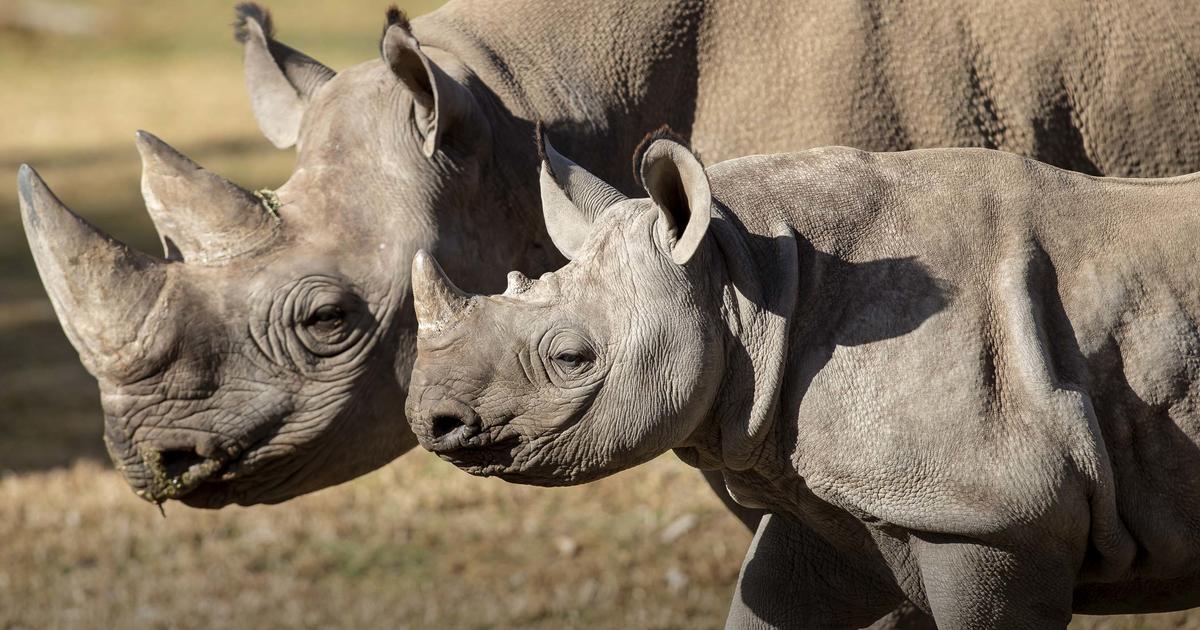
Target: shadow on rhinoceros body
(1136, 403)
(892, 297)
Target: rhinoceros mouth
(174, 474)
(197, 482)
(184, 475)
(482, 454)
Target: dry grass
(414, 545)
(418, 544)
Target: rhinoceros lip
(208, 474)
(223, 488)
(173, 482)
(479, 452)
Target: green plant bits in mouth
(270, 201)
(172, 482)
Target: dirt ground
(417, 544)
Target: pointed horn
(435, 297)
(103, 291)
(200, 216)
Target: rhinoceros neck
(758, 277)
(597, 88)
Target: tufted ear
(438, 100)
(677, 183)
(572, 198)
(281, 80)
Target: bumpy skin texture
(972, 376)
(1106, 88)
(1111, 92)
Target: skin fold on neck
(757, 318)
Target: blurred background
(417, 544)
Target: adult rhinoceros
(974, 376)
(249, 355)
(267, 353)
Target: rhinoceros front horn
(103, 291)
(435, 297)
(200, 216)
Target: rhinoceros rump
(975, 377)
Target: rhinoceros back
(991, 313)
(1103, 88)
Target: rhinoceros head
(599, 366)
(266, 353)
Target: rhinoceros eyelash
(563, 356)
(571, 358)
(326, 315)
(573, 361)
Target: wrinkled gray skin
(428, 147)
(974, 377)
(211, 391)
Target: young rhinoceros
(974, 376)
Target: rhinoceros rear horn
(103, 291)
(572, 198)
(200, 216)
(281, 80)
(435, 298)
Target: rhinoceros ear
(677, 183)
(281, 81)
(438, 100)
(572, 198)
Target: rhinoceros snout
(444, 424)
(176, 472)
(162, 471)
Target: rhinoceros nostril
(445, 423)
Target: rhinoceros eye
(327, 318)
(569, 356)
(572, 359)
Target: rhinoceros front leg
(906, 616)
(792, 578)
(978, 586)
